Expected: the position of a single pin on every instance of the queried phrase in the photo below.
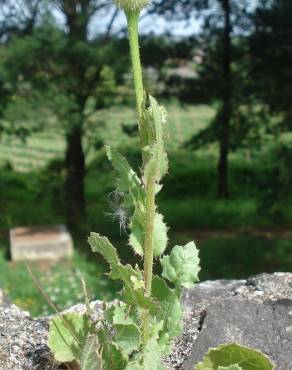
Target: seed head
(132, 5)
(119, 212)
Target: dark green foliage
(272, 56)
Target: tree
(222, 21)
(271, 49)
(17, 18)
(64, 66)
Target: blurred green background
(224, 75)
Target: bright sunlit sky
(148, 24)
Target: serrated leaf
(89, 358)
(67, 336)
(170, 311)
(159, 235)
(136, 239)
(235, 354)
(153, 128)
(128, 180)
(151, 356)
(119, 314)
(182, 266)
(153, 123)
(157, 164)
(134, 365)
(231, 367)
(112, 357)
(160, 239)
(127, 337)
(121, 272)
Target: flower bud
(132, 6)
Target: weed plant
(138, 330)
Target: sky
(159, 25)
(148, 24)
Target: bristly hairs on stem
(129, 6)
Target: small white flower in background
(132, 5)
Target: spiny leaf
(151, 356)
(89, 358)
(127, 337)
(119, 314)
(134, 365)
(181, 267)
(234, 354)
(153, 123)
(153, 132)
(128, 181)
(148, 358)
(136, 239)
(121, 272)
(159, 235)
(157, 164)
(170, 311)
(112, 357)
(137, 235)
(67, 336)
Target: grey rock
(259, 325)
(256, 312)
(22, 340)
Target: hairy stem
(148, 243)
(133, 20)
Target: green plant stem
(148, 243)
(133, 20)
(148, 251)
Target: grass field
(247, 234)
(35, 152)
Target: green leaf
(153, 123)
(128, 180)
(153, 133)
(67, 336)
(136, 239)
(234, 354)
(112, 357)
(182, 266)
(138, 231)
(157, 164)
(89, 358)
(127, 337)
(170, 311)
(134, 365)
(125, 273)
(159, 235)
(119, 314)
(151, 356)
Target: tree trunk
(75, 166)
(225, 116)
(75, 13)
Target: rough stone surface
(256, 312)
(40, 243)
